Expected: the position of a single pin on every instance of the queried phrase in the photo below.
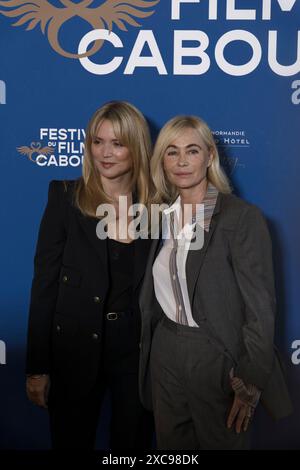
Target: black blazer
(231, 287)
(69, 290)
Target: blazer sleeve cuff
(252, 373)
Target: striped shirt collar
(209, 203)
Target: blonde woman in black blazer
(207, 354)
(84, 323)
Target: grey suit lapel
(195, 258)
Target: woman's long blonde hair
(132, 130)
(166, 192)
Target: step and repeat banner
(236, 63)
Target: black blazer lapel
(141, 251)
(89, 225)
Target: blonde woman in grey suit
(207, 354)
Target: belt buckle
(112, 316)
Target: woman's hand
(241, 413)
(37, 388)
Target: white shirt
(161, 273)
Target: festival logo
(61, 147)
(34, 151)
(51, 19)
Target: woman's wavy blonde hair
(132, 130)
(164, 191)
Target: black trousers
(191, 390)
(74, 422)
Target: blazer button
(97, 300)
(95, 336)
(65, 279)
(58, 328)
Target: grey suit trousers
(191, 389)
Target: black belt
(117, 315)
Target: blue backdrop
(234, 63)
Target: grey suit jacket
(231, 286)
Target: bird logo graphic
(35, 148)
(51, 18)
